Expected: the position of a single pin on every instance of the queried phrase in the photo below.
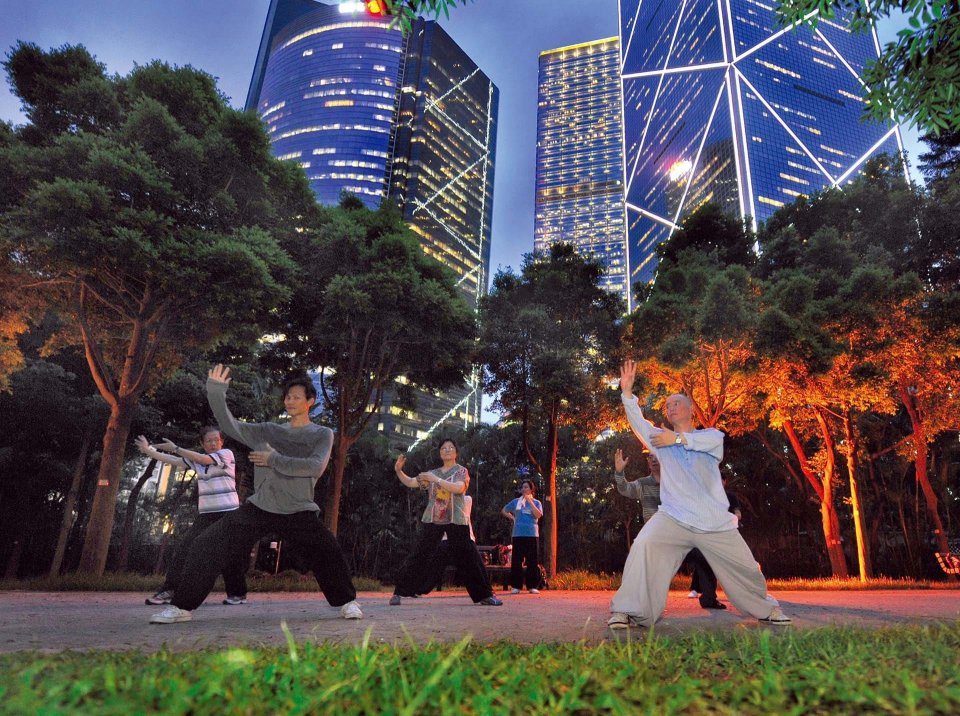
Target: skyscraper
(579, 182)
(442, 175)
(722, 104)
(367, 110)
(325, 84)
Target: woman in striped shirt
(216, 484)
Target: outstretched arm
(197, 458)
(456, 488)
(250, 434)
(311, 466)
(641, 427)
(627, 489)
(143, 445)
(410, 482)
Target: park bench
(493, 557)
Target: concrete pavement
(54, 621)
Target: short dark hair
(206, 429)
(533, 485)
(453, 442)
(309, 389)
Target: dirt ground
(49, 621)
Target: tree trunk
(550, 511)
(67, 520)
(920, 465)
(331, 498)
(128, 516)
(13, 561)
(850, 451)
(96, 544)
(823, 487)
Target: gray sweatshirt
(301, 454)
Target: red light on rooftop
(377, 7)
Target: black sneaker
(713, 605)
(490, 601)
(164, 597)
(395, 600)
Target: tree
(548, 336)
(146, 211)
(367, 307)
(917, 77)
(864, 248)
(942, 157)
(406, 11)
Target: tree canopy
(148, 212)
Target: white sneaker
(351, 610)
(514, 591)
(534, 591)
(171, 615)
(694, 594)
(777, 617)
(619, 620)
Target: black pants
(241, 529)
(420, 564)
(234, 572)
(525, 549)
(704, 580)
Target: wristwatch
(678, 440)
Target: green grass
(903, 670)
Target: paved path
(118, 620)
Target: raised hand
(143, 445)
(166, 446)
(628, 373)
(401, 461)
(665, 438)
(219, 374)
(619, 461)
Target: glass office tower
(368, 111)
(328, 93)
(442, 176)
(722, 104)
(579, 182)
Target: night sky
(504, 38)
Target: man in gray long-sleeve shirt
(289, 459)
(693, 513)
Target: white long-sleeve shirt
(691, 491)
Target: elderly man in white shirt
(693, 513)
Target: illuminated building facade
(579, 179)
(722, 104)
(325, 84)
(367, 110)
(442, 175)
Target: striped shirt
(217, 483)
(646, 489)
(691, 491)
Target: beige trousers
(656, 555)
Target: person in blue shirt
(525, 512)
